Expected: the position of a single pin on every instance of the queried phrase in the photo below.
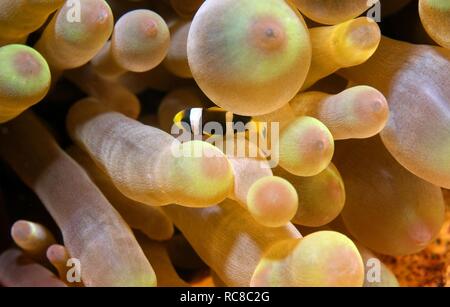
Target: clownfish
(195, 119)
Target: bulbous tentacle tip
(24, 61)
(323, 258)
(93, 16)
(364, 33)
(355, 41)
(371, 109)
(204, 169)
(272, 201)
(56, 253)
(140, 41)
(21, 231)
(306, 147)
(241, 51)
(24, 79)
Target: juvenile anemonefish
(196, 119)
